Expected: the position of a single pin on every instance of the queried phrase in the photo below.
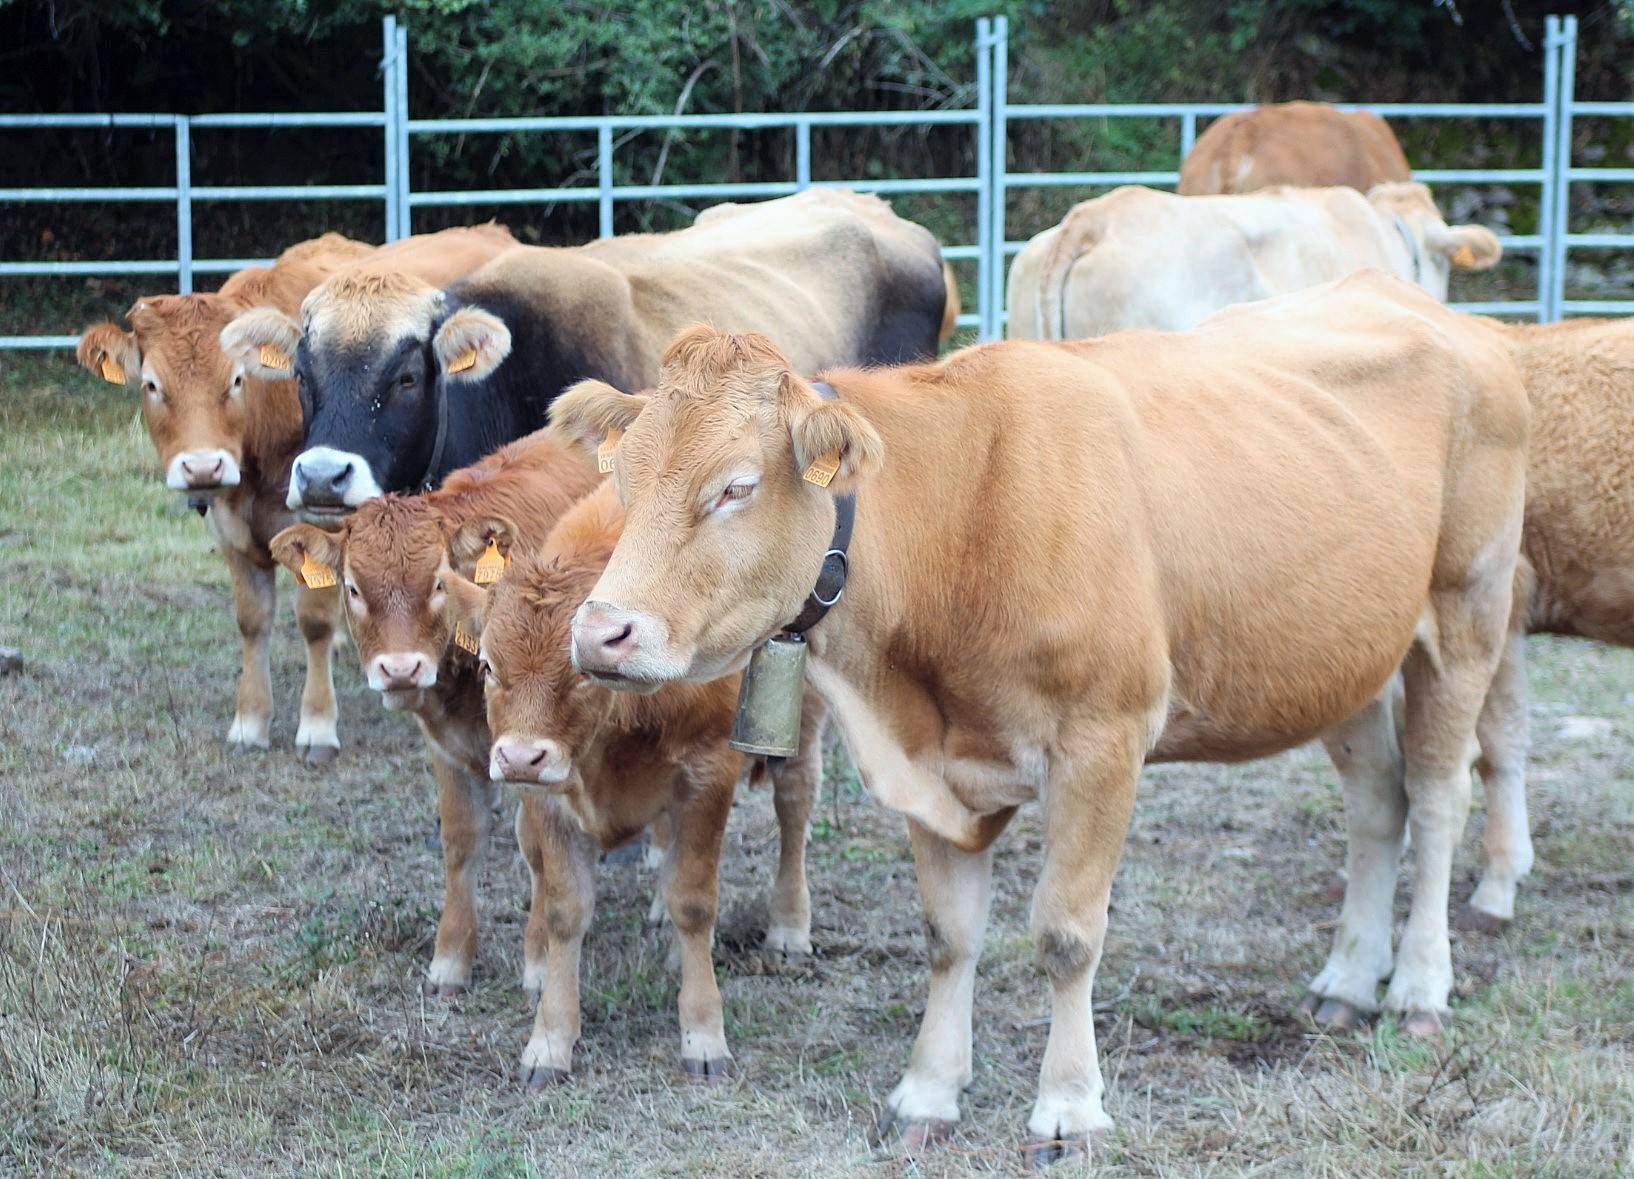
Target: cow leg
(531, 840)
(700, 824)
(1504, 733)
(1367, 754)
(954, 888)
(1446, 687)
(255, 598)
(796, 784)
(1087, 806)
(661, 859)
(564, 897)
(462, 809)
(316, 613)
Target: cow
(408, 381)
(599, 766)
(1070, 559)
(225, 440)
(1575, 575)
(1137, 257)
(1309, 144)
(393, 559)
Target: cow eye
(406, 381)
(486, 671)
(736, 492)
(353, 592)
(151, 388)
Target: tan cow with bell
(226, 439)
(393, 559)
(598, 766)
(1140, 258)
(1070, 559)
(1309, 144)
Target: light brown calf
(1305, 143)
(597, 767)
(393, 558)
(1576, 569)
(1071, 558)
(227, 439)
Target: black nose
(322, 483)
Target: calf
(1068, 559)
(393, 560)
(597, 767)
(1310, 144)
(1576, 570)
(1137, 257)
(225, 439)
(407, 381)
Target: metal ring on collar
(845, 567)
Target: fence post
(604, 177)
(1546, 190)
(802, 155)
(984, 174)
(1188, 133)
(1560, 180)
(1000, 118)
(405, 216)
(388, 90)
(184, 205)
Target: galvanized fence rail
(992, 184)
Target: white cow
(1140, 258)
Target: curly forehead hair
(395, 533)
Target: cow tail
(950, 308)
(1080, 233)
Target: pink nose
(603, 637)
(400, 672)
(517, 760)
(200, 472)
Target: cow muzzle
(202, 471)
(324, 482)
(528, 762)
(402, 672)
(627, 650)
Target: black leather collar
(830, 585)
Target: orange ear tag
(315, 574)
(822, 469)
(112, 371)
(491, 565)
(465, 640)
(1465, 256)
(275, 358)
(465, 360)
(604, 452)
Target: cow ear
(592, 413)
(110, 352)
(471, 344)
(465, 607)
(263, 340)
(1468, 247)
(472, 541)
(291, 548)
(834, 445)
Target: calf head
(393, 559)
(367, 357)
(723, 538)
(193, 395)
(1436, 247)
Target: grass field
(210, 965)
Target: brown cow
(599, 766)
(1576, 569)
(226, 439)
(1206, 546)
(393, 558)
(1308, 144)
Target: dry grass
(209, 965)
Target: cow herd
(561, 498)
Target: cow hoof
(1473, 920)
(537, 1077)
(913, 1134)
(709, 1071)
(436, 990)
(1337, 1016)
(319, 755)
(1425, 1024)
(1334, 890)
(1046, 1152)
